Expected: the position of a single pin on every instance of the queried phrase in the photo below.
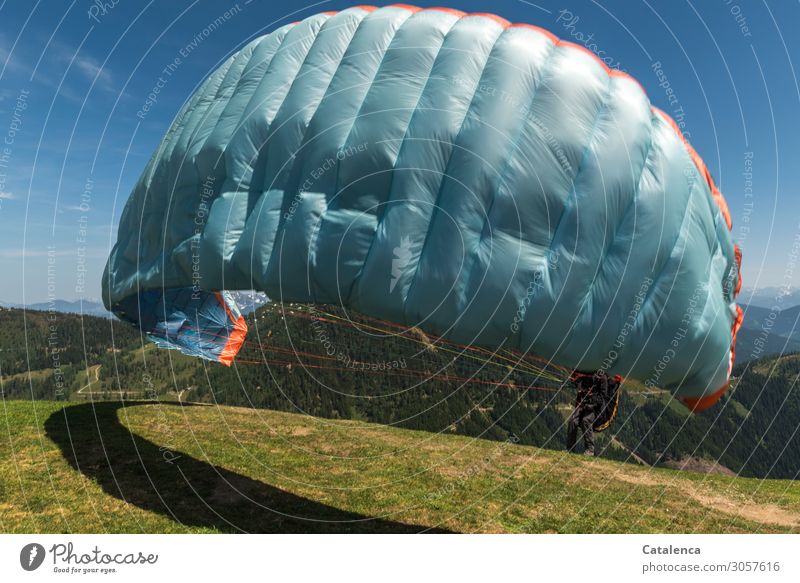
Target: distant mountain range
(783, 323)
(767, 332)
(248, 301)
(88, 307)
(769, 297)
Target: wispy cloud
(91, 69)
(7, 195)
(84, 65)
(54, 58)
(11, 62)
(7, 94)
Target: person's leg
(587, 421)
(572, 429)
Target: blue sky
(75, 76)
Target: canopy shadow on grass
(190, 491)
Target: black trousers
(583, 418)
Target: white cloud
(85, 65)
(91, 69)
(9, 61)
(7, 195)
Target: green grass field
(143, 467)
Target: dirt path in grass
(752, 511)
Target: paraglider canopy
(484, 182)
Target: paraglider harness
(603, 396)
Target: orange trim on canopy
(702, 168)
(236, 337)
(696, 405)
(452, 11)
(738, 254)
(498, 19)
(539, 29)
(408, 7)
(234, 343)
(706, 402)
(737, 324)
(624, 75)
(583, 49)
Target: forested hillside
(320, 366)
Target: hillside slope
(114, 467)
(286, 366)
